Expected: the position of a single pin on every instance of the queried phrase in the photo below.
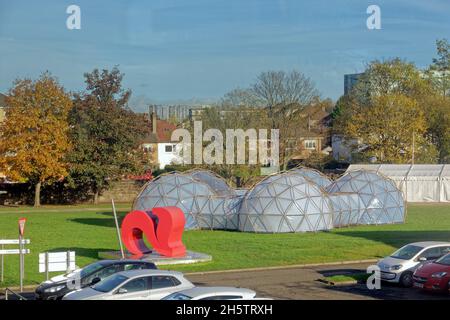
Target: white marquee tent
(418, 182)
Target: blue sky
(197, 50)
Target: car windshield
(110, 283)
(88, 270)
(177, 296)
(445, 260)
(407, 252)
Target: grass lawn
(348, 278)
(88, 230)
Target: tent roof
(406, 170)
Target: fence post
(68, 261)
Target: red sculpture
(164, 234)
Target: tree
(34, 137)
(393, 76)
(241, 98)
(439, 71)
(105, 133)
(393, 128)
(437, 111)
(281, 88)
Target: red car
(434, 276)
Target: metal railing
(9, 291)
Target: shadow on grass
(91, 253)
(102, 222)
(399, 238)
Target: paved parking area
(301, 284)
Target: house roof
(163, 134)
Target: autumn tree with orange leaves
(34, 136)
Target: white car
(213, 293)
(134, 285)
(400, 266)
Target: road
(300, 283)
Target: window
(406, 252)
(160, 282)
(177, 296)
(102, 274)
(310, 144)
(133, 266)
(222, 298)
(169, 148)
(431, 254)
(110, 283)
(136, 285)
(445, 250)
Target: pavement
(300, 283)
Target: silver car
(134, 285)
(213, 293)
(400, 266)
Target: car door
(134, 289)
(162, 286)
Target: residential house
(2, 106)
(158, 145)
(312, 135)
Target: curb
(294, 266)
(17, 289)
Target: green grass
(88, 230)
(348, 278)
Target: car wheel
(406, 280)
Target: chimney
(154, 122)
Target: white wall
(166, 158)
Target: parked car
(134, 285)
(57, 287)
(212, 293)
(400, 266)
(434, 276)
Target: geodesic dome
(205, 198)
(347, 209)
(315, 176)
(214, 181)
(382, 201)
(285, 202)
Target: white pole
(117, 229)
(46, 265)
(3, 264)
(21, 263)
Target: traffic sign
(22, 226)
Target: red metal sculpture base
(164, 234)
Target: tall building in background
(350, 80)
(177, 112)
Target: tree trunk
(96, 194)
(37, 194)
